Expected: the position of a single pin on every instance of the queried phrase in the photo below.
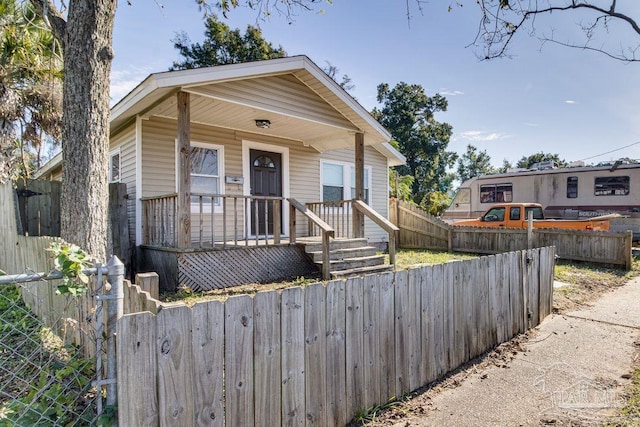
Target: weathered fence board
(239, 331)
(320, 354)
(336, 354)
(427, 325)
(418, 229)
(371, 319)
(293, 367)
(387, 336)
(136, 344)
(403, 339)
(315, 354)
(175, 367)
(355, 344)
(266, 351)
(207, 322)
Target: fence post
(628, 250)
(530, 230)
(115, 275)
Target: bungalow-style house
(230, 169)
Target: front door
(266, 180)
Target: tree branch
(50, 13)
(501, 20)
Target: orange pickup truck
(514, 215)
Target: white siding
(158, 165)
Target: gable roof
(301, 101)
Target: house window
(612, 186)
(572, 187)
(206, 169)
(114, 166)
(496, 193)
(339, 182)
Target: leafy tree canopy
(409, 114)
(30, 89)
(528, 161)
(222, 45)
(474, 163)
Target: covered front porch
(234, 239)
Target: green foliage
(474, 163)
(409, 114)
(400, 186)
(70, 260)
(222, 45)
(435, 203)
(369, 415)
(506, 165)
(528, 161)
(30, 89)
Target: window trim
(628, 188)
(346, 179)
(575, 181)
(495, 187)
(112, 154)
(195, 207)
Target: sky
(574, 103)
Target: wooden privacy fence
(578, 245)
(317, 355)
(419, 230)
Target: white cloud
(531, 124)
(447, 92)
(123, 81)
(569, 101)
(482, 136)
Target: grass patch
(630, 414)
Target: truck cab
(510, 215)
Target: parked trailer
(565, 193)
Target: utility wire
(608, 152)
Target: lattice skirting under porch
(205, 270)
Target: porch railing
(325, 230)
(339, 215)
(217, 220)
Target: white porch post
(183, 229)
(358, 217)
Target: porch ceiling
(209, 109)
(295, 95)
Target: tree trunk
(85, 136)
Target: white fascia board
(221, 73)
(54, 162)
(139, 93)
(395, 157)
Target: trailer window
(612, 186)
(572, 187)
(496, 193)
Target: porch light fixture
(263, 123)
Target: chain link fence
(53, 350)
